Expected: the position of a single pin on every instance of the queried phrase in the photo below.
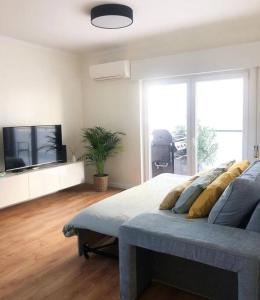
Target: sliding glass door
(196, 123)
(219, 121)
(167, 132)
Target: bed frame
(90, 242)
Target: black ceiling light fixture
(111, 16)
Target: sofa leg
(82, 237)
(128, 274)
(135, 271)
(248, 282)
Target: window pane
(219, 116)
(167, 119)
(167, 106)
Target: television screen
(29, 146)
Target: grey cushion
(238, 201)
(254, 223)
(191, 193)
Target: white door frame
(249, 113)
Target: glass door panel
(197, 123)
(167, 127)
(219, 121)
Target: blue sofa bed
(218, 257)
(216, 261)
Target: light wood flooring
(37, 262)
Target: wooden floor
(38, 262)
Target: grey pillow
(239, 199)
(191, 193)
(254, 223)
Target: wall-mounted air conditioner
(112, 70)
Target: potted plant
(100, 145)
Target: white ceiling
(65, 24)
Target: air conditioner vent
(112, 70)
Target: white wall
(40, 86)
(115, 104)
(235, 57)
(44, 86)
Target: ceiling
(65, 24)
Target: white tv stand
(30, 184)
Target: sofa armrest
(228, 248)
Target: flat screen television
(30, 146)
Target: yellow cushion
(172, 197)
(206, 200)
(242, 165)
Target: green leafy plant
(206, 146)
(100, 145)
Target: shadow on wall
(72, 116)
(2, 166)
(229, 31)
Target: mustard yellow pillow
(172, 197)
(242, 165)
(206, 200)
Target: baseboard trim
(120, 185)
(116, 185)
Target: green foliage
(206, 146)
(100, 145)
